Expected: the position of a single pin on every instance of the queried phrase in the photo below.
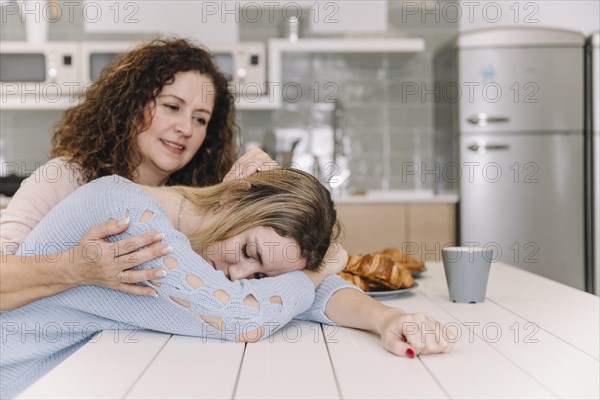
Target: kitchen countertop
(369, 197)
(532, 338)
(395, 196)
(4, 200)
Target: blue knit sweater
(38, 336)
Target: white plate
(392, 293)
(418, 273)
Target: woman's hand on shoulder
(413, 334)
(102, 263)
(250, 162)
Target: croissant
(356, 280)
(402, 258)
(363, 283)
(380, 269)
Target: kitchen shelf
(276, 48)
(36, 102)
(348, 45)
(32, 102)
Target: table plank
(191, 368)
(104, 368)
(572, 300)
(474, 369)
(538, 354)
(579, 325)
(293, 364)
(365, 370)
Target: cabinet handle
(484, 119)
(485, 147)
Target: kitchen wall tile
(411, 115)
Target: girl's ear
(232, 191)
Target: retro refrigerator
(515, 135)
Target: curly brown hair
(99, 134)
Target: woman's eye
(171, 107)
(200, 120)
(245, 251)
(259, 275)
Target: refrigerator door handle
(482, 119)
(482, 148)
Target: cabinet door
(371, 227)
(431, 227)
(346, 17)
(421, 230)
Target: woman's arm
(401, 333)
(252, 161)
(26, 278)
(37, 195)
(338, 302)
(94, 261)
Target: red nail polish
(410, 353)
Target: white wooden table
(532, 338)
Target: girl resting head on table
(161, 114)
(276, 225)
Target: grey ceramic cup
(467, 270)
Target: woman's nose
(184, 126)
(241, 270)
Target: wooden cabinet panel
(420, 230)
(431, 227)
(371, 227)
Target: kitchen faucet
(340, 152)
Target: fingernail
(410, 353)
(167, 249)
(124, 221)
(159, 236)
(160, 274)
(155, 295)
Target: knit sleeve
(236, 310)
(326, 289)
(194, 298)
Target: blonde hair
(291, 202)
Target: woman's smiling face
(178, 127)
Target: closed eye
(259, 275)
(245, 252)
(171, 107)
(200, 121)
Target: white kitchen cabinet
(210, 22)
(348, 17)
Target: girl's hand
(335, 260)
(99, 262)
(413, 334)
(250, 162)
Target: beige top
(38, 194)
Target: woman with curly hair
(161, 114)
